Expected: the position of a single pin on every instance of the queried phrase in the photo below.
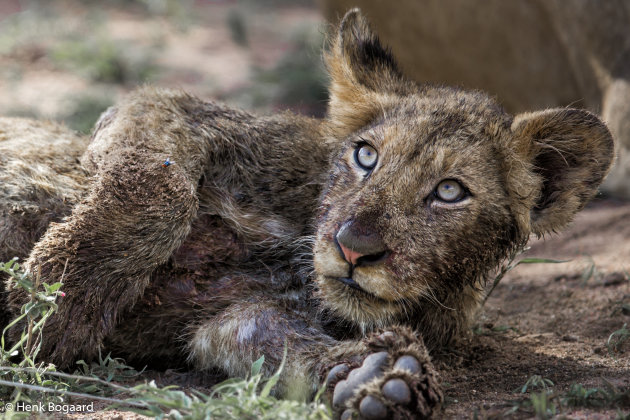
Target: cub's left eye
(366, 156)
(450, 191)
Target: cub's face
(433, 186)
(416, 208)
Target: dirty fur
(229, 253)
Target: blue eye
(366, 157)
(450, 191)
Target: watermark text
(49, 407)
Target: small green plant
(230, 400)
(493, 330)
(607, 395)
(35, 312)
(547, 402)
(510, 264)
(544, 405)
(18, 363)
(617, 339)
(537, 382)
(580, 396)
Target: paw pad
(372, 409)
(409, 363)
(396, 381)
(394, 391)
(397, 391)
(337, 372)
(371, 368)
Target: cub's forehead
(414, 134)
(439, 138)
(447, 117)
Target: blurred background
(70, 60)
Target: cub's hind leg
(137, 212)
(41, 179)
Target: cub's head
(432, 187)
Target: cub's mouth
(348, 281)
(354, 261)
(356, 287)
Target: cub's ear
(364, 75)
(570, 152)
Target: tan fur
(209, 259)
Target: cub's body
(202, 234)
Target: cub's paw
(395, 381)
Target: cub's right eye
(450, 191)
(366, 156)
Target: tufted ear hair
(570, 152)
(364, 75)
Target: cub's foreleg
(386, 375)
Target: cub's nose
(360, 246)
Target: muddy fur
(229, 251)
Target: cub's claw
(396, 381)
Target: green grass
(618, 340)
(544, 402)
(84, 110)
(101, 59)
(510, 264)
(24, 378)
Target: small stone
(570, 338)
(614, 279)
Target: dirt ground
(551, 320)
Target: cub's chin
(356, 296)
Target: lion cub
(193, 233)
